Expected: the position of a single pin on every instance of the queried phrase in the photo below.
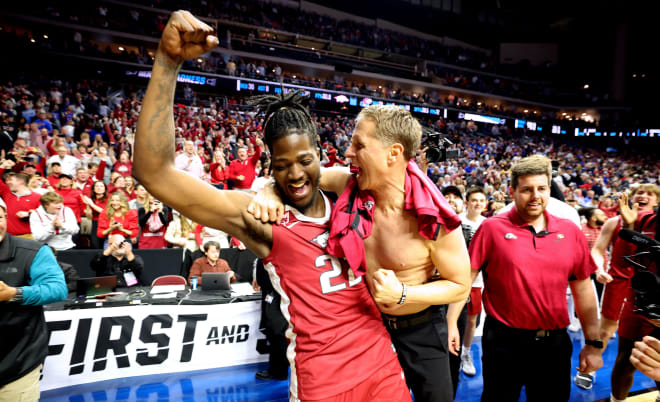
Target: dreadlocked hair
(285, 115)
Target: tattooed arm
(185, 37)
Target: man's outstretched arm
(184, 37)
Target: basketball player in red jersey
(412, 272)
(338, 346)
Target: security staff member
(29, 278)
(528, 258)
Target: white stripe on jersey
(290, 334)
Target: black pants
(273, 325)
(422, 352)
(95, 241)
(516, 357)
(455, 361)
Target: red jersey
(526, 274)
(336, 336)
(647, 228)
(591, 234)
(622, 248)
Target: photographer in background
(118, 259)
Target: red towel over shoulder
(352, 216)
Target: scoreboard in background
(598, 132)
(342, 100)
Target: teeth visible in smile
(297, 185)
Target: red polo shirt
(526, 274)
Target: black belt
(407, 321)
(523, 333)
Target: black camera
(439, 147)
(644, 282)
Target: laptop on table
(91, 287)
(216, 281)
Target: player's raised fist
(185, 37)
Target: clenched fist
(185, 37)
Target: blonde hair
(187, 225)
(648, 187)
(110, 211)
(531, 165)
(394, 124)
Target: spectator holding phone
(118, 259)
(118, 218)
(153, 218)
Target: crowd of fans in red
(73, 140)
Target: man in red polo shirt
(528, 258)
(243, 169)
(20, 201)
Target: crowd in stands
(251, 68)
(262, 14)
(66, 157)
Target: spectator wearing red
(153, 218)
(20, 201)
(118, 218)
(130, 187)
(54, 172)
(96, 204)
(124, 166)
(96, 170)
(83, 181)
(119, 184)
(72, 197)
(333, 159)
(609, 206)
(243, 170)
(217, 169)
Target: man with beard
(529, 257)
(338, 346)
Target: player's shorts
(614, 295)
(632, 326)
(474, 305)
(386, 385)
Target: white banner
(98, 344)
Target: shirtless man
(385, 139)
(338, 346)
